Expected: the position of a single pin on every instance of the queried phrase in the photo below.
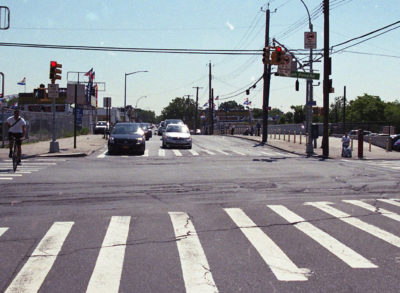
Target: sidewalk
(85, 145)
(335, 147)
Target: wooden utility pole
(327, 82)
(267, 82)
(197, 107)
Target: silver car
(177, 135)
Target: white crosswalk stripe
(371, 229)
(374, 209)
(35, 270)
(209, 152)
(3, 230)
(28, 166)
(161, 153)
(390, 201)
(346, 254)
(194, 153)
(177, 153)
(239, 153)
(196, 271)
(280, 264)
(107, 272)
(102, 155)
(222, 152)
(146, 153)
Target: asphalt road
(226, 216)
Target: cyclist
(16, 128)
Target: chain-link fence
(40, 124)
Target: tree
(230, 105)
(145, 116)
(392, 113)
(366, 108)
(180, 108)
(299, 115)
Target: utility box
(314, 131)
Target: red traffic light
(53, 63)
(278, 49)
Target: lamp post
(309, 94)
(126, 74)
(137, 101)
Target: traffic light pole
(327, 72)
(267, 82)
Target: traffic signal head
(279, 54)
(265, 55)
(55, 69)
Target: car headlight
(111, 140)
(188, 138)
(140, 139)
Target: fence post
(351, 144)
(301, 134)
(288, 136)
(294, 137)
(370, 142)
(279, 137)
(284, 135)
(274, 133)
(387, 144)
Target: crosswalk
(393, 165)
(28, 166)
(197, 270)
(165, 153)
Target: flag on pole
(217, 98)
(90, 74)
(22, 82)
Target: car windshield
(126, 129)
(144, 126)
(102, 123)
(177, 128)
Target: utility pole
(267, 83)
(197, 107)
(210, 104)
(344, 109)
(327, 83)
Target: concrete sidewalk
(85, 145)
(335, 147)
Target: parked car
(147, 130)
(354, 133)
(177, 135)
(100, 127)
(127, 137)
(396, 142)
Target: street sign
(310, 40)
(107, 102)
(52, 90)
(311, 103)
(79, 115)
(286, 66)
(306, 75)
(80, 94)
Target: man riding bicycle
(17, 129)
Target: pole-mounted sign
(310, 40)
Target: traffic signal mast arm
(291, 54)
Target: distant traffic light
(265, 55)
(279, 55)
(55, 69)
(297, 86)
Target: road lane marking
(102, 155)
(209, 152)
(268, 154)
(32, 163)
(390, 201)
(374, 209)
(161, 153)
(280, 264)
(10, 175)
(194, 153)
(346, 254)
(3, 230)
(106, 275)
(355, 222)
(239, 153)
(222, 152)
(6, 178)
(195, 269)
(177, 153)
(146, 153)
(38, 265)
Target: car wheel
(110, 153)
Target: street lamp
(137, 101)
(309, 93)
(126, 74)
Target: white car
(177, 135)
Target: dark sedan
(127, 137)
(147, 130)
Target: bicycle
(15, 158)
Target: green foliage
(230, 106)
(145, 115)
(299, 113)
(366, 108)
(181, 108)
(257, 113)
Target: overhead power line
(135, 50)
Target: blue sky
(200, 24)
